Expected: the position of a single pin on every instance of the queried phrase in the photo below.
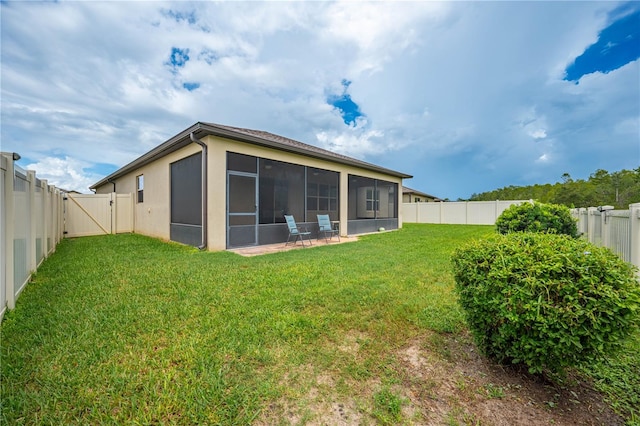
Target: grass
(618, 377)
(387, 407)
(128, 329)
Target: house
(412, 196)
(220, 187)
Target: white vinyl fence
(619, 230)
(457, 212)
(31, 225)
(35, 216)
(98, 214)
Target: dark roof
(256, 137)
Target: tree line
(618, 189)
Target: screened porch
(261, 191)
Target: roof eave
(201, 130)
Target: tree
(618, 189)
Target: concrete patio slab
(276, 248)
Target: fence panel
(98, 214)
(88, 214)
(619, 235)
(582, 216)
(28, 216)
(21, 229)
(481, 213)
(457, 212)
(453, 213)
(619, 230)
(3, 257)
(428, 212)
(40, 217)
(124, 213)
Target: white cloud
(356, 141)
(65, 173)
(538, 134)
(378, 31)
(470, 92)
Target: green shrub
(537, 217)
(545, 301)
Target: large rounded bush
(545, 301)
(537, 217)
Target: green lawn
(128, 329)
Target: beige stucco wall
(152, 217)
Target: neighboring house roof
(256, 137)
(407, 190)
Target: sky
(466, 97)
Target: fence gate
(97, 214)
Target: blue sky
(465, 96)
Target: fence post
(634, 230)
(604, 226)
(31, 241)
(59, 215)
(3, 169)
(46, 201)
(591, 223)
(583, 224)
(9, 234)
(132, 213)
(466, 212)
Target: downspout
(203, 244)
(112, 183)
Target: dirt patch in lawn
(442, 381)
(311, 400)
(449, 382)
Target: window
(373, 200)
(140, 188)
(322, 197)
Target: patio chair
(326, 228)
(295, 232)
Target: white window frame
(140, 188)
